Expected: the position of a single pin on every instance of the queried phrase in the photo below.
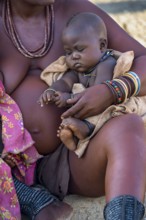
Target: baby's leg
(72, 128)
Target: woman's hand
(92, 101)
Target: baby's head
(85, 41)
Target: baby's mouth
(77, 65)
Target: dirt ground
(130, 14)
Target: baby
(87, 62)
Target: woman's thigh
(116, 151)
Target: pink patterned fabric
(18, 145)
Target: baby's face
(82, 50)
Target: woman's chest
(15, 67)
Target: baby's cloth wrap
(19, 145)
(132, 105)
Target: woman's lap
(115, 154)
(87, 175)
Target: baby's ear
(103, 44)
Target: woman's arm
(92, 101)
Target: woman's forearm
(139, 67)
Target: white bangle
(49, 89)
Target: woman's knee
(124, 133)
(130, 123)
(126, 154)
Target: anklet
(90, 126)
(32, 199)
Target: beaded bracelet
(117, 91)
(112, 90)
(123, 86)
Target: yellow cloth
(133, 105)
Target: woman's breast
(41, 122)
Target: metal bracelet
(49, 89)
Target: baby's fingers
(45, 98)
(48, 97)
(40, 101)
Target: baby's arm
(60, 90)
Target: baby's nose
(75, 55)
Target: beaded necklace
(103, 58)
(13, 35)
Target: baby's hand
(60, 98)
(46, 97)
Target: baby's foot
(80, 128)
(72, 128)
(67, 137)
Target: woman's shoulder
(71, 7)
(80, 5)
(76, 6)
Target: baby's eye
(80, 49)
(68, 52)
